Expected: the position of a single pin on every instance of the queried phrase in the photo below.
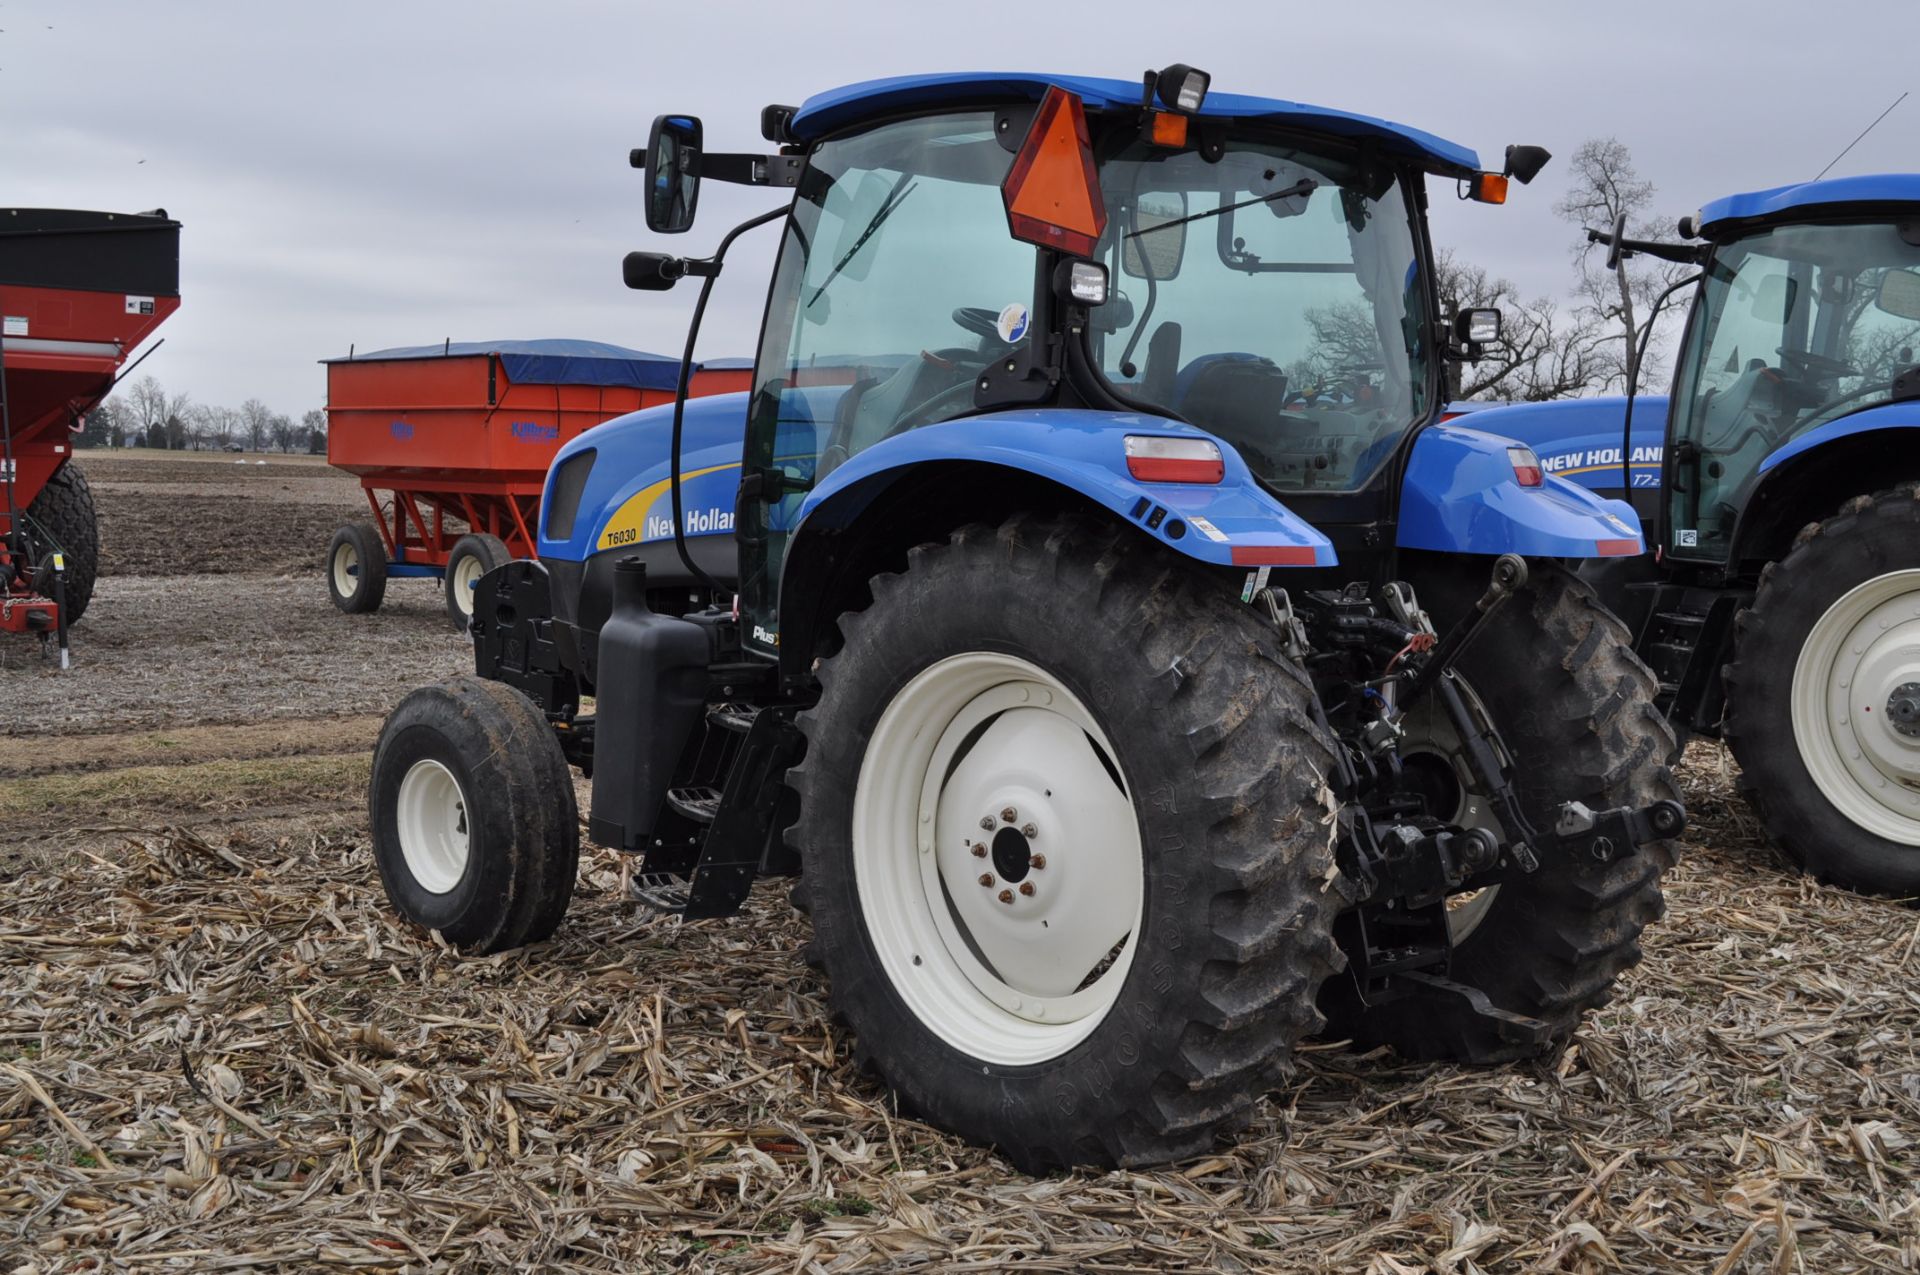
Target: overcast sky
(396, 173)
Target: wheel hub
(1856, 705)
(1903, 709)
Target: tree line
(147, 414)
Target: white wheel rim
(1858, 673)
(1430, 732)
(465, 576)
(432, 820)
(346, 570)
(1002, 978)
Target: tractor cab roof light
(1082, 282)
(1179, 87)
(1155, 459)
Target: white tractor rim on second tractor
(998, 858)
(432, 818)
(346, 570)
(1856, 688)
(465, 576)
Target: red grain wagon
(78, 292)
(451, 443)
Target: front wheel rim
(1855, 701)
(431, 816)
(465, 576)
(346, 570)
(997, 858)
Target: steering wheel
(982, 322)
(1815, 367)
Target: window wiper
(1305, 186)
(895, 197)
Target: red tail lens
(1051, 193)
(1174, 460)
(1616, 548)
(1526, 467)
(1273, 555)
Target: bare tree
(255, 422)
(1543, 352)
(313, 426)
(1605, 187)
(152, 405)
(283, 431)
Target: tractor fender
(626, 498)
(1888, 416)
(1233, 522)
(1809, 477)
(1460, 495)
(1579, 438)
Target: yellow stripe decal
(630, 518)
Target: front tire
(471, 557)
(64, 507)
(475, 830)
(1558, 678)
(1823, 697)
(1107, 709)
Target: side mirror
(1525, 162)
(1157, 238)
(652, 271)
(1899, 294)
(1614, 248)
(673, 173)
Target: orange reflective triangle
(1052, 193)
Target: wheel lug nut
(979, 851)
(1006, 896)
(1009, 814)
(986, 878)
(1038, 861)
(1028, 831)
(1026, 888)
(986, 822)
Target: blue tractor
(1781, 607)
(1087, 607)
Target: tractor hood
(1578, 439)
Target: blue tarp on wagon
(549, 361)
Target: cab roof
(1782, 201)
(839, 108)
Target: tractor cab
(1238, 276)
(1805, 325)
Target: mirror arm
(752, 170)
(1686, 254)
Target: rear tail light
(1174, 460)
(1526, 467)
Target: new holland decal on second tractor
(1136, 676)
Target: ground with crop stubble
(219, 1050)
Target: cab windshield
(1795, 327)
(1271, 296)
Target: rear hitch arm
(1509, 577)
(1606, 835)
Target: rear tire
(472, 556)
(475, 831)
(1147, 734)
(1559, 679)
(64, 510)
(1823, 692)
(357, 568)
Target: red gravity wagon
(451, 444)
(79, 291)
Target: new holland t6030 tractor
(1781, 609)
(1087, 607)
